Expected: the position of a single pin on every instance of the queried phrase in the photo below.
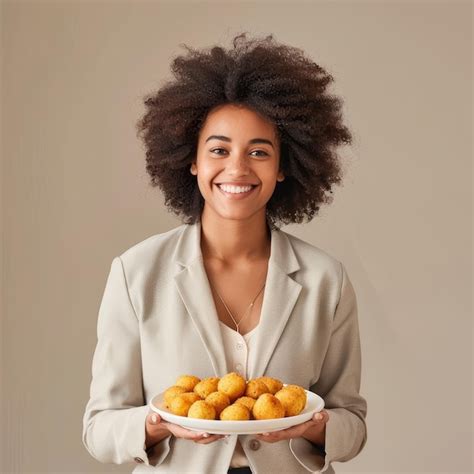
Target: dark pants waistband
(239, 470)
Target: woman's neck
(231, 240)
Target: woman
(240, 142)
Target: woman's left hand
(314, 430)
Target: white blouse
(237, 348)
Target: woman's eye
(263, 153)
(215, 150)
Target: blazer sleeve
(339, 385)
(114, 418)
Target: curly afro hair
(276, 80)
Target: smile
(236, 195)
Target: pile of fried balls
(231, 397)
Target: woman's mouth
(236, 192)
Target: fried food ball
(255, 388)
(297, 388)
(249, 402)
(233, 385)
(181, 404)
(273, 384)
(206, 386)
(219, 401)
(235, 412)
(188, 382)
(190, 396)
(202, 410)
(293, 401)
(268, 406)
(171, 392)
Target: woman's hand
(157, 429)
(313, 430)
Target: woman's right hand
(158, 429)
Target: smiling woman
(241, 142)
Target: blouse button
(239, 346)
(254, 445)
(139, 460)
(238, 368)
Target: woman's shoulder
(152, 253)
(313, 257)
(318, 266)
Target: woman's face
(237, 148)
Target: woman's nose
(238, 165)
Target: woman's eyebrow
(227, 139)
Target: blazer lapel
(280, 296)
(195, 291)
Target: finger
(280, 435)
(153, 418)
(180, 432)
(209, 439)
(297, 430)
(321, 417)
(288, 433)
(195, 435)
(272, 437)
(203, 437)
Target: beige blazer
(157, 320)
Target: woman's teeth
(235, 189)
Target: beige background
(75, 194)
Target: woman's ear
(280, 176)
(193, 168)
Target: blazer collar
(280, 296)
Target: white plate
(314, 403)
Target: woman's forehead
(237, 121)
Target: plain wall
(75, 194)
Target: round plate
(314, 403)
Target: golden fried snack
(181, 404)
(268, 406)
(249, 402)
(255, 388)
(233, 385)
(293, 401)
(206, 386)
(190, 396)
(188, 382)
(219, 401)
(171, 392)
(235, 412)
(273, 384)
(202, 410)
(296, 387)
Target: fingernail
(319, 417)
(266, 434)
(205, 435)
(154, 419)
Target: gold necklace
(237, 324)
